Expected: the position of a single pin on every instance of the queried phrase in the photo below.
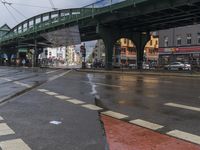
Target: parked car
(132, 66)
(145, 66)
(177, 66)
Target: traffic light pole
(83, 51)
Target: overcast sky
(19, 11)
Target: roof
(5, 27)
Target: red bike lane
(125, 136)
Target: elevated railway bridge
(109, 20)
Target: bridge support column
(140, 39)
(109, 37)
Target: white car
(177, 66)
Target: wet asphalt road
(30, 112)
(144, 97)
(139, 97)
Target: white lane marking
(51, 93)
(58, 76)
(185, 136)
(6, 79)
(92, 107)
(146, 124)
(109, 85)
(62, 97)
(5, 129)
(94, 91)
(182, 106)
(22, 84)
(114, 114)
(52, 71)
(102, 84)
(42, 90)
(16, 144)
(75, 101)
(1, 118)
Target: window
(166, 41)
(198, 38)
(178, 40)
(124, 41)
(123, 50)
(151, 42)
(156, 42)
(189, 38)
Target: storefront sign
(22, 50)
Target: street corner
(125, 136)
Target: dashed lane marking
(75, 101)
(22, 84)
(92, 107)
(1, 118)
(52, 71)
(115, 114)
(58, 76)
(5, 129)
(185, 136)
(42, 90)
(6, 79)
(51, 93)
(16, 144)
(146, 124)
(62, 97)
(182, 106)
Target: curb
(195, 75)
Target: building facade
(125, 52)
(180, 44)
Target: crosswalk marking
(114, 114)
(42, 90)
(1, 118)
(92, 107)
(183, 106)
(146, 124)
(75, 101)
(62, 97)
(185, 136)
(16, 144)
(51, 93)
(5, 129)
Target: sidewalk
(143, 72)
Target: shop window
(123, 50)
(189, 39)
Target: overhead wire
(52, 5)
(4, 3)
(18, 11)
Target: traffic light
(83, 50)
